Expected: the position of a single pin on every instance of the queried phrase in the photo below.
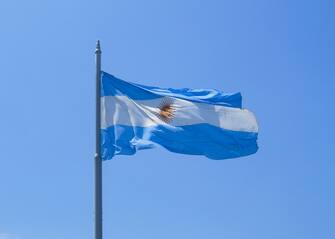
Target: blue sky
(279, 54)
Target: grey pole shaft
(97, 160)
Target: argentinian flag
(187, 121)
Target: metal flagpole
(97, 160)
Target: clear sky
(279, 54)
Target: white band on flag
(173, 111)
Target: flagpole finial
(98, 49)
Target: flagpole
(97, 158)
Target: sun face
(167, 110)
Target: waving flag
(188, 121)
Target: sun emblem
(166, 110)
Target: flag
(188, 121)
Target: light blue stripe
(199, 139)
(112, 86)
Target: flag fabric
(188, 121)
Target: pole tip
(97, 48)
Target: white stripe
(145, 113)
